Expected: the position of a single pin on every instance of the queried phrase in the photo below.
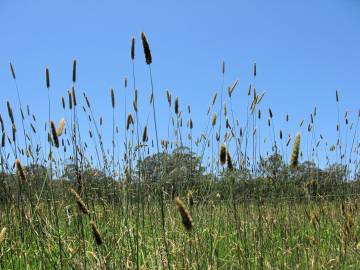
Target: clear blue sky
(304, 51)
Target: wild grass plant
(219, 199)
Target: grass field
(220, 199)
(225, 235)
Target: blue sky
(304, 51)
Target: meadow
(219, 199)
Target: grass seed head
(96, 233)
(60, 128)
(12, 71)
(176, 105)
(47, 75)
(70, 100)
(184, 213)
(74, 71)
(54, 134)
(132, 52)
(129, 121)
(229, 162)
(146, 47)
(144, 136)
(80, 202)
(223, 152)
(3, 235)
(112, 98)
(20, 170)
(213, 121)
(10, 112)
(294, 160)
(73, 96)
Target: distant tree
(181, 164)
(273, 167)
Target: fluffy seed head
(144, 136)
(80, 202)
(270, 113)
(54, 134)
(13, 132)
(3, 234)
(61, 126)
(2, 124)
(3, 140)
(70, 100)
(10, 112)
(176, 105)
(229, 162)
(232, 88)
(96, 233)
(112, 98)
(185, 215)
(168, 96)
(86, 100)
(214, 99)
(74, 71)
(294, 160)
(73, 96)
(213, 122)
(132, 53)
(63, 102)
(146, 47)
(129, 121)
(20, 170)
(47, 75)
(12, 71)
(223, 152)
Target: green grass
(268, 235)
